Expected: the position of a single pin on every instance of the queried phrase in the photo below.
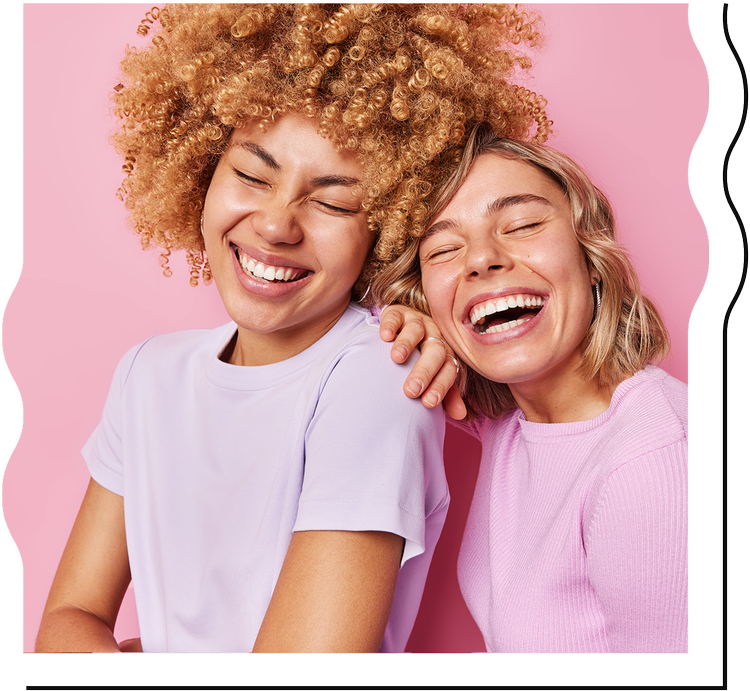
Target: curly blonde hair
(627, 332)
(400, 85)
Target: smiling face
(285, 236)
(505, 278)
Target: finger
(440, 386)
(391, 320)
(454, 405)
(429, 366)
(411, 335)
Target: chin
(509, 374)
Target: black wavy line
(726, 186)
(732, 303)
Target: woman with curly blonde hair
(282, 147)
(576, 539)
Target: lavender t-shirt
(219, 464)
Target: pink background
(628, 94)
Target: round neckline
(259, 377)
(557, 429)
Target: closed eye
(443, 252)
(524, 227)
(337, 209)
(249, 178)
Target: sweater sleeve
(636, 549)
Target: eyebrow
(334, 180)
(492, 208)
(271, 162)
(515, 200)
(260, 152)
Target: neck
(567, 398)
(252, 349)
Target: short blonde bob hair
(400, 85)
(626, 333)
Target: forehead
(295, 136)
(493, 177)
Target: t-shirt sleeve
(103, 451)
(636, 549)
(373, 457)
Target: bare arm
(90, 581)
(334, 593)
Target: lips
(504, 313)
(267, 272)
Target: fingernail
(432, 399)
(414, 387)
(401, 352)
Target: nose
(277, 223)
(486, 254)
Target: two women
(263, 483)
(576, 539)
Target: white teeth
(267, 272)
(507, 326)
(479, 312)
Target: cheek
(214, 191)
(562, 264)
(366, 243)
(439, 286)
(348, 259)
(224, 205)
(214, 210)
(581, 278)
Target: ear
(594, 276)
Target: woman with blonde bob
(264, 484)
(576, 540)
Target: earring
(202, 225)
(597, 297)
(365, 295)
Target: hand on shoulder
(433, 377)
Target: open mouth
(268, 273)
(504, 314)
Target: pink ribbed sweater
(576, 539)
